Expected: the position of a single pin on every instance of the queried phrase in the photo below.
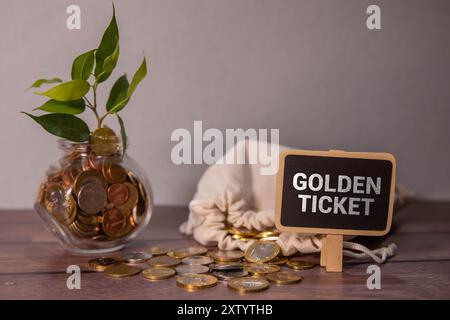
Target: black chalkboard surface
(335, 192)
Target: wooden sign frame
(331, 252)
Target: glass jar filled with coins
(95, 199)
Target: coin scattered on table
(225, 256)
(260, 252)
(191, 268)
(121, 271)
(158, 273)
(229, 274)
(136, 257)
(100, 264)
(298, 264)
(197, 272)
(157, 251)
(163, 261)
(181, 253)
(284, 277)
(198, 260)
(196, 281)
(261, 268)
(248, 284)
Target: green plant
(69, 98)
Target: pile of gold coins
(244, 234)
(197, 268)
(91, 193)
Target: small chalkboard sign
(335, 193)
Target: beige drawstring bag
(240, 196)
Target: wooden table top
(33, 265)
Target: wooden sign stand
(334, 164)
(331, 252)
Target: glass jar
(94, 199)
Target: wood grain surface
(33, 264)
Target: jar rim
(83, 146)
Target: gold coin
(100, 264)
(260, 252)
(278, 261)
(201, 260)
(160, 273)
(193, 269)
(227, 266)
(242, 231)
(267, 234)
(181, 253)
(258, 269)
(298, 264)
(121, 270)
(136, 257)
(163, 261)
(230, 274)
(157, 251)
(284, 277)
(248, 284)
(241, 238)
(196, 281)
(104, 142)
(226, 255)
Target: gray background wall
(309, 68)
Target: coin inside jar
(248, 284)
(92, 198)
(118, 194)
(197, 260)
(113, 172)
(132, 197)
(114, 222)
(158, 273)
(104, 142)
(260, 252)
(89, 176)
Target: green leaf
(118, 97)
(109, 64)
(123, 135)
(108, 45)
(82, 65)
(67, 91)
(138, 76)
(40, 82)
(66, 107)
(121, 92)
(63, 125)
